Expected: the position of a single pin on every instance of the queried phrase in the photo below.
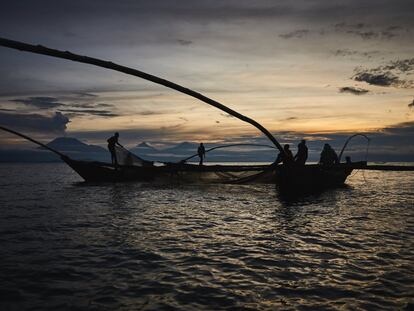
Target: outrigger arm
(33, 141)
(38, 49)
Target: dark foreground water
(65, 245)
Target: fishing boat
(133, 168)
(287, 176)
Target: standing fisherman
(112, 141)
(201, 153)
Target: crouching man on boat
(328, 156)
(286, 157)
(201, 153)
(112, 141)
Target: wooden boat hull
(105, 172)
(310, 176)
(313, 177)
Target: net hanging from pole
(127, 158)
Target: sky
(306, 68)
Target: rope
(366, 160)
(228, 146)
(366, 153)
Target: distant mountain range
(72, 147)
(73, 144)
(144, 147)
(76, 149)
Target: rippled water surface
(132, 246)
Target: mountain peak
(144, 144)
(185, 144)
(65, 141)
(72, 144)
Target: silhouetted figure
(302, 154)
(286, 157)
(201, 153)
(112, 141)
(328, 156)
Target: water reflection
(137, 245)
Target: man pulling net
(112, 142)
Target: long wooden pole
(348, 140)
(229, 146)
(38, 49)
(33, 141)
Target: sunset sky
(306, 68)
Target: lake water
(133, 246)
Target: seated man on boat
(328, 156)
(286, 157)
(302, 154)
(112, 141)
(201, 153)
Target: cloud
(82, 105)
(150, 112)
(35, 122)
(289, 119)
(39, 102)
(93, 112)
(344, 25)
(395, 73)
(383, 79)
(364, 34)
(404, 129)
(300, 33)
(85, 94)
(345, 52)
(353, 90)
(405, 65)
(368, 32)
(89, 106)
(184, 42)
(349, 52)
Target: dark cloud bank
(35, 122)
(353, 90)
(39, 102)
(75, 107)
(388, 75)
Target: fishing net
(127, 158)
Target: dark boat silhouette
(132, 168)
(311, 176)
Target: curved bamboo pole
(38, 49)
(348, 140)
